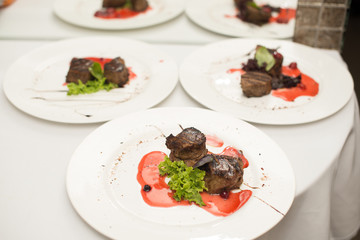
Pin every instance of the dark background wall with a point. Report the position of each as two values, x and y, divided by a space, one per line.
351 44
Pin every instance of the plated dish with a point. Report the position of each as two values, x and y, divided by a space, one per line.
103 188
39 88
206 77
221 17
81 13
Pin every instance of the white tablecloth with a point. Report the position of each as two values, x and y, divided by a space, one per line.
35 153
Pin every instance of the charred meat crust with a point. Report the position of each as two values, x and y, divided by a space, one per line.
188 146
136 5
116 72
252 14
139 5
79 70
224 173
113 3
256 84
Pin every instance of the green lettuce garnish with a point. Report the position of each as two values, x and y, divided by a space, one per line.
262 55
186 182
99 83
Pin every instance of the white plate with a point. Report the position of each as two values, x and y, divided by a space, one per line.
81 13
204 76
211 15
102 186
34 83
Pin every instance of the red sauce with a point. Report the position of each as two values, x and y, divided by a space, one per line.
214 141
102 62
307 87
230 16
118 13
160 194
233 152
232 70
284 16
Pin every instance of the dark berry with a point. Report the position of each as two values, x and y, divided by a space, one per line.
225 194
146 188
293 65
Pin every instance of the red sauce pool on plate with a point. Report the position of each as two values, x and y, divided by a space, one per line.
160 194
118 13
284 16
214 141
307 87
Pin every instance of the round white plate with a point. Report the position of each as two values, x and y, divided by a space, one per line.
81 13
34 83
212 15
102 185
204 76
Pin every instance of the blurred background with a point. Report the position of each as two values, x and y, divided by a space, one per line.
351 48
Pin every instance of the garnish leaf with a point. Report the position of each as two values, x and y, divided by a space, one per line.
96 71
262 55
186 182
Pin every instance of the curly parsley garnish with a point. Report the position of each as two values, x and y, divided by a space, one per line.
186 182
99 83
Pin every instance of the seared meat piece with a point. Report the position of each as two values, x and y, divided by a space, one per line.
188 146
139 5
116 72
255 84
223 173
113 3
79 70
250 12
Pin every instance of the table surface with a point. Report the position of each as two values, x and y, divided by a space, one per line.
35 153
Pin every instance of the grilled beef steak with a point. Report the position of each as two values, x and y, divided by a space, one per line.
188 146
113 3
256 84
139 5
223 173
250 12
116 72
79 70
